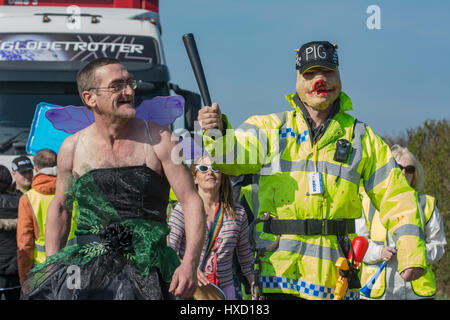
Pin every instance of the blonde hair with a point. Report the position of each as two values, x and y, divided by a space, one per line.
225 191
419 175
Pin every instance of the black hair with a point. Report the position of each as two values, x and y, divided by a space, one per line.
5 178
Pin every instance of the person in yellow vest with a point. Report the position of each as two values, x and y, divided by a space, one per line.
389 285
32 213
308 164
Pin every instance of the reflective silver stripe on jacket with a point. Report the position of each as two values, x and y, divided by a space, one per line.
39 247
372 211
408 230
422 205
255 192
380 174
302 248
349 173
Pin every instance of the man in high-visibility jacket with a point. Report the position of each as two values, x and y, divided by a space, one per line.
308 163
32 213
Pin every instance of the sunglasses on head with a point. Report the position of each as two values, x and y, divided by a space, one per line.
204 169
408 169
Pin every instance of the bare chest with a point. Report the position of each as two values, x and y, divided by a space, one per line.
91 154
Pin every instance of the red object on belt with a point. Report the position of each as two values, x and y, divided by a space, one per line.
360 246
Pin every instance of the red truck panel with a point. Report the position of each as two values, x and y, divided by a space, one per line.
151 5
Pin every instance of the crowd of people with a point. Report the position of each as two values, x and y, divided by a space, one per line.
270 222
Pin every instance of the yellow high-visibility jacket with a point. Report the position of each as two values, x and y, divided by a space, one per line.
398 289
278 149
39 204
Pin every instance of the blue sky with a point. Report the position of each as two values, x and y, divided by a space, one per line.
397 76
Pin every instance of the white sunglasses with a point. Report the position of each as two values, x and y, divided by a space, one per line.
202 168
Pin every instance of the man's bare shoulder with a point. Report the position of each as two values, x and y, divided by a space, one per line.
71 141
69 144
66 152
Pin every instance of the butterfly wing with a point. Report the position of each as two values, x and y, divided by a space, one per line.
162 110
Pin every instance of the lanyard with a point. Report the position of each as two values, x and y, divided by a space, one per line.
213 233
316 155
315 181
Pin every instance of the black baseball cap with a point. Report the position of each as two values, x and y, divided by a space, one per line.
21 164
317 54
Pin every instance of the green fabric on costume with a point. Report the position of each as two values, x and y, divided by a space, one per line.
95 214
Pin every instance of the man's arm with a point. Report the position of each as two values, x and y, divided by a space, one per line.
184 280
240 151
58 217
25 237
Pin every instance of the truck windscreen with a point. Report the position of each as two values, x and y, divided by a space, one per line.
18 102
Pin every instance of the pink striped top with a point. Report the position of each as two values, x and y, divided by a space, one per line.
233 234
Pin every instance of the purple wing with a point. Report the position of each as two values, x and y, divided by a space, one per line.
70 119
162 110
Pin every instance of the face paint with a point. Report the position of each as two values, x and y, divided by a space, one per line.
318 87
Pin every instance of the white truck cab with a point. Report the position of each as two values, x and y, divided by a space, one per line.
44 44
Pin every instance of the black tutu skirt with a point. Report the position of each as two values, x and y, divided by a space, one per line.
126 258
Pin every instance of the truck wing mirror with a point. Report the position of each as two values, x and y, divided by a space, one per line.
192 104
145 86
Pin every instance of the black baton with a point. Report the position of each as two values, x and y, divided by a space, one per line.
191 48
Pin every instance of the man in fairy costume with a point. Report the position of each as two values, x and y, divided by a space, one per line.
129 161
